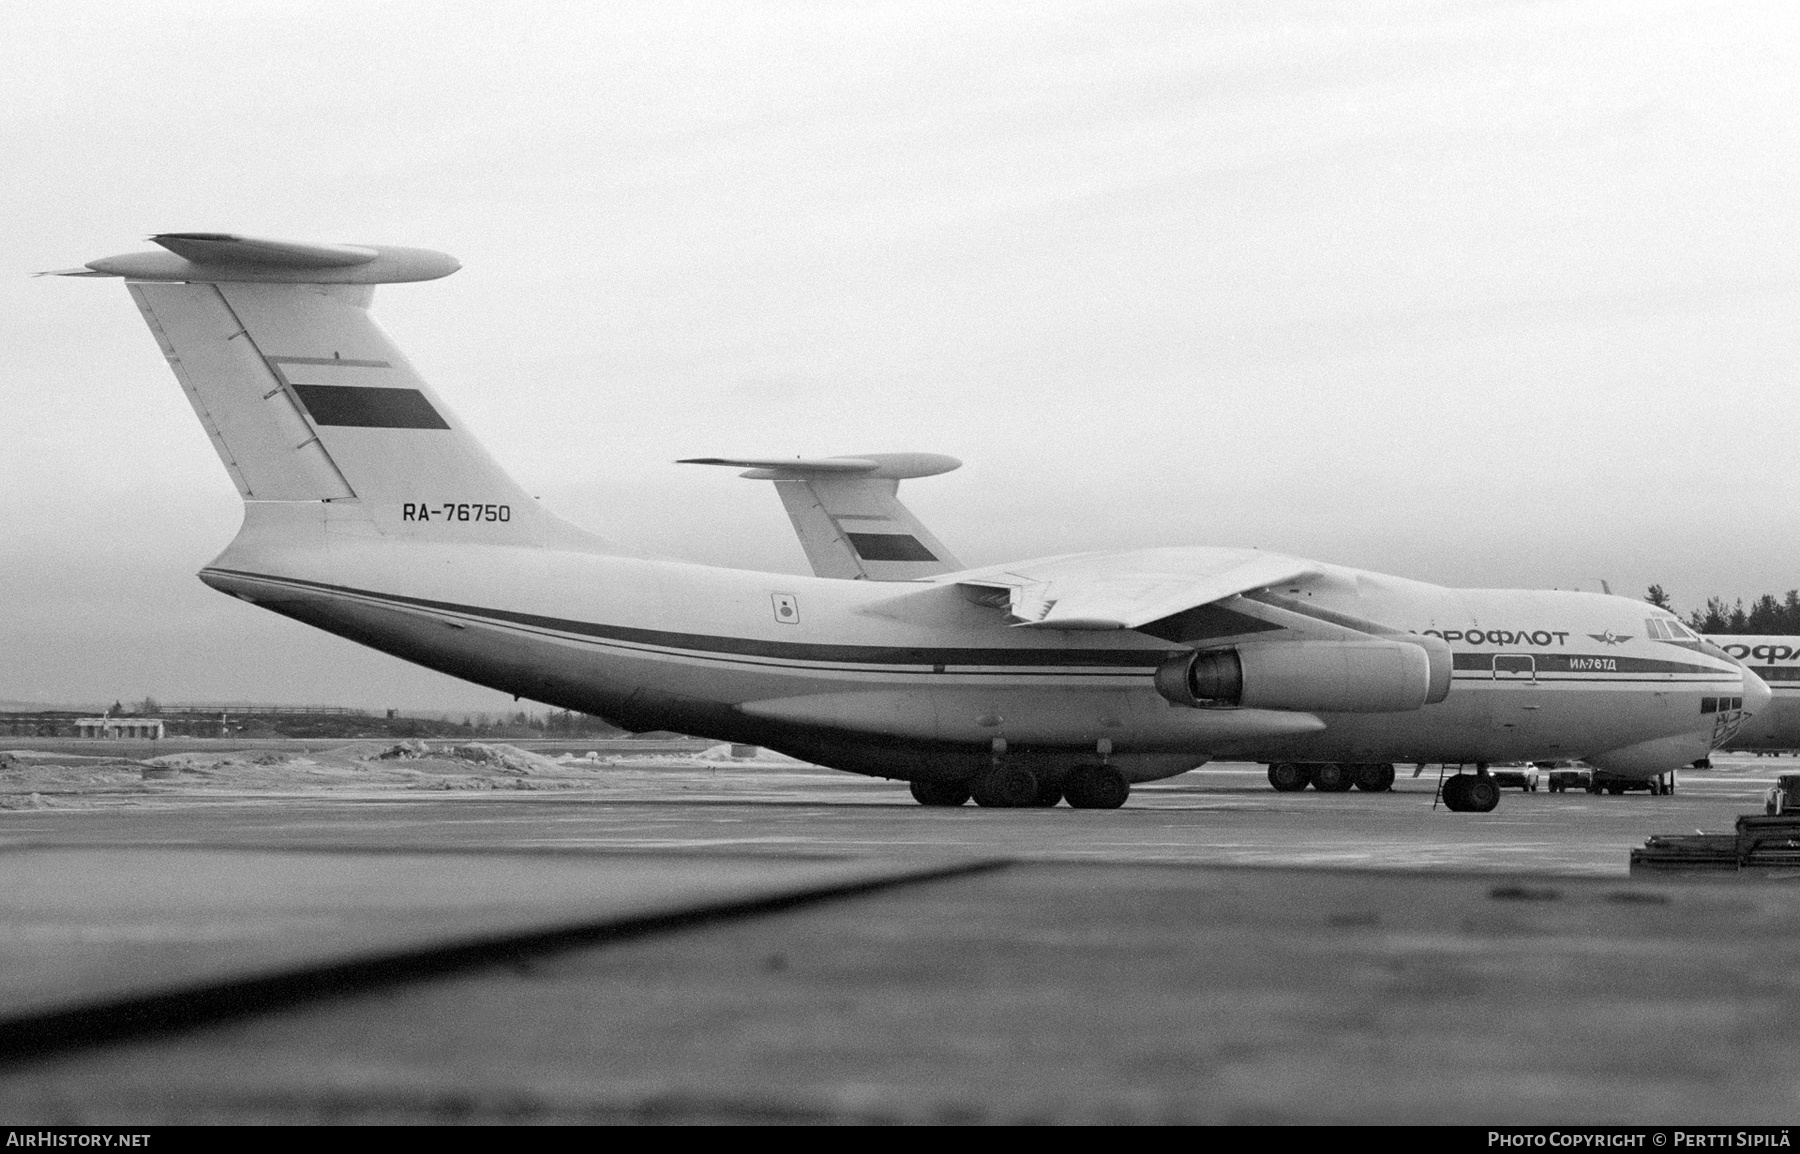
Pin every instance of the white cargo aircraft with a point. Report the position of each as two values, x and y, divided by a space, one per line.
831 499
372 513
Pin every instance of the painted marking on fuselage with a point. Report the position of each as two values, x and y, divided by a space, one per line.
1538 637
1583 662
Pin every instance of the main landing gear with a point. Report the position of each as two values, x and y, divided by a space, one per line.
1330 776
940 792
1471 792
1096 787
1015 787
1005 787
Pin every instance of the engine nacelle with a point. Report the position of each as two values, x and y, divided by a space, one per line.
1373 676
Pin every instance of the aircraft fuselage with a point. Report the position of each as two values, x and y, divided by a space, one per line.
917 680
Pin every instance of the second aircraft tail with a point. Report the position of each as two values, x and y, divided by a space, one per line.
848 514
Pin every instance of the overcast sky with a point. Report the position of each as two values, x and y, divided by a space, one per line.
1477 293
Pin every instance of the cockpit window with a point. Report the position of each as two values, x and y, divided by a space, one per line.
1668 629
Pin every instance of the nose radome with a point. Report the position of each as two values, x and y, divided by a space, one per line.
1756 693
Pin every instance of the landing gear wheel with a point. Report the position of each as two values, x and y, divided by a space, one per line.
1332 777
1373 778
1466 793
1288 777
939 792
1005 787
1048 794
1096 787
1482 795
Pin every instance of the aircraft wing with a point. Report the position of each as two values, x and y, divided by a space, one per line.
1124 591
848 515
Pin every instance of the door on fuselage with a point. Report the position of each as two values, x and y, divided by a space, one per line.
1518 698
1515 668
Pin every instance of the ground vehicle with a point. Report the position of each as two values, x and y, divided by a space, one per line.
1522 777
1783 796
1612 783
1599 781
1567 779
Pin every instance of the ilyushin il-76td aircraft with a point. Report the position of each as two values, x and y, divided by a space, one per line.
372 513
836 502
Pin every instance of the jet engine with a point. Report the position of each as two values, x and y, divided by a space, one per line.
1373 676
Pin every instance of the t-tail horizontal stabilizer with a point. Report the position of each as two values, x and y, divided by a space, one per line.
223 256
309 402
848 514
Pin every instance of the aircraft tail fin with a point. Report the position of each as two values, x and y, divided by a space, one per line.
848 515
304 396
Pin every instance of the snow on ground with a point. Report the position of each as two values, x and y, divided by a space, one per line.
52 779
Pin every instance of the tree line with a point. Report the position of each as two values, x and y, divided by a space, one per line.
1765 615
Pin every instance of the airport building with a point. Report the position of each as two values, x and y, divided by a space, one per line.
120 727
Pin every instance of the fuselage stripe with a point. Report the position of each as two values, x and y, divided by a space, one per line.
1112 664
1138 661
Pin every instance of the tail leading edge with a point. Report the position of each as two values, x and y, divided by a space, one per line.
308 401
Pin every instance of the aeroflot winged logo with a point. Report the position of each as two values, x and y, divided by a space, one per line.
1611 638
